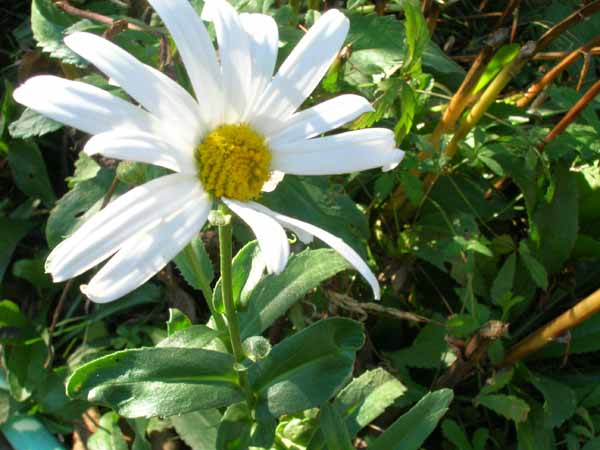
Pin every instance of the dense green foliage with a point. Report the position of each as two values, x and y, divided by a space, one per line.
475 249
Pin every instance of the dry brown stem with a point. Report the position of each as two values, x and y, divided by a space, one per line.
549 77
363 309
554 329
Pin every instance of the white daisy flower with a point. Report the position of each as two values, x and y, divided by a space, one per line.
238 136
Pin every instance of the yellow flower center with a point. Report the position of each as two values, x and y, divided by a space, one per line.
233 161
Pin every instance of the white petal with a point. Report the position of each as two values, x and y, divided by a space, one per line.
234 53
154 90
272 239
333 241
341 153
264 38
141 147
197 53
81 105
302 71
105 232
321 118
271 184
142 256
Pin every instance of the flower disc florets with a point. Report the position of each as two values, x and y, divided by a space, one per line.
233 162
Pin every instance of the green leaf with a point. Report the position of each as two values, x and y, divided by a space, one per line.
177 321
194 336
417 34
48 24
187 379
503 56
334 428
194 265
33 271
363 400
284 382
275 294
497 382
560 401
5 406
139 428
86 168
428 350
29 171
247 268
240 430
411 429
77 206
503 282
198 429
12 231
455 434
509 406
108 436
32 124
536 269
555 224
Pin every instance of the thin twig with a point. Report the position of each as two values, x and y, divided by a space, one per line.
74 11
549 77
587 58
578 16
363 309
572 114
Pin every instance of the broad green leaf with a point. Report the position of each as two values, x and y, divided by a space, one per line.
5 405
503 282
497 382
455 434
239 430
428 350
12 231
194 336
417 34
194 265
509 406
533 435
76 206
536 269
367 397
198 429
139 428
411 429
247 269
108 436
334 429
363 400
32 124
187 379
29 171
560 401
275 294
25 368
555 224
480 438
86 168
48 24
503 56
285 381
33 271
177 321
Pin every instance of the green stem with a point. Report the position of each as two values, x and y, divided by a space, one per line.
206 289
225 239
